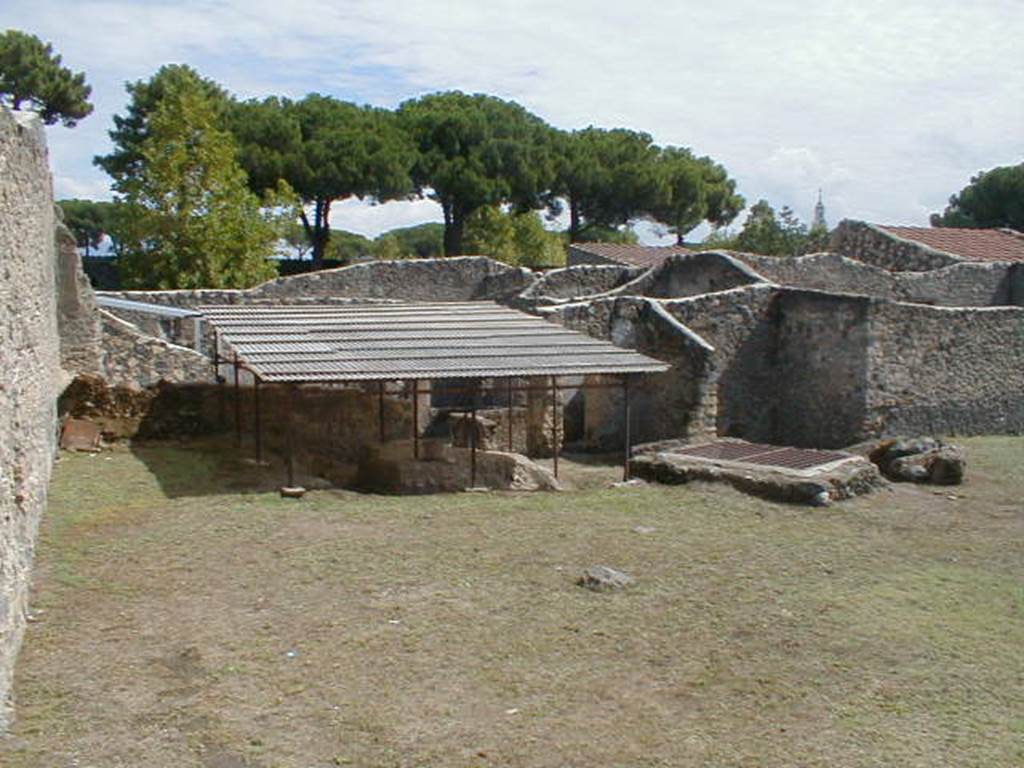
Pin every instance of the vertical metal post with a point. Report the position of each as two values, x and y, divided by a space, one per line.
257 426
380 409
509 414
626 428
289 438
554 421
472 440
238 407
416 418
219 380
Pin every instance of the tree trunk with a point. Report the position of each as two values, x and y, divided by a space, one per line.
679 238
319 233
454 225
574 221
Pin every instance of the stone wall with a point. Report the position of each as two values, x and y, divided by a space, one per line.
560 285
740 326
137 360
30 373
945 371
78 318
691 275
678 403
460 278
963 284
872 245
820 369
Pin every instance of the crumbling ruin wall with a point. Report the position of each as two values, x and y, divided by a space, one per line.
460 278
691 275
940 371
820 369
964 284
134 359
872 245
678 403
30 374
559 285
78 318
740 326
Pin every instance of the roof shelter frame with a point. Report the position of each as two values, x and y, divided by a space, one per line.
473 388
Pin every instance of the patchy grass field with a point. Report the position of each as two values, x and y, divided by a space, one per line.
180 621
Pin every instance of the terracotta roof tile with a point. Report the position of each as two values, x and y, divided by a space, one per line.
633 255
972 244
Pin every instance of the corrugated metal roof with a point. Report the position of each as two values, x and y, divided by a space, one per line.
381 342
111 302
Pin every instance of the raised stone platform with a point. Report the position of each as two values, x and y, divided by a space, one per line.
779 473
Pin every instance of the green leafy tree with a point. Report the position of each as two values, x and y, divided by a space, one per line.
88 220
31 75
994 198
132 129
476 151
519 239
326 150
607 177
772 234
423 241
693 190
189 220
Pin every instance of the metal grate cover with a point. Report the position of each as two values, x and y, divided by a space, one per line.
763 455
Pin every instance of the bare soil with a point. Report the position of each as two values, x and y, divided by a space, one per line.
185 616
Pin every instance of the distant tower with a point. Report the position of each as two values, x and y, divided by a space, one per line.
818 222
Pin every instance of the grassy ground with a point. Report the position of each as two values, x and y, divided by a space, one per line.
181 621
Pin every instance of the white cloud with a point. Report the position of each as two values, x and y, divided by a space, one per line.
889 107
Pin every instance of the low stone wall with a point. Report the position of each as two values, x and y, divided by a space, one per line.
872 245
30 372
942 371
825 272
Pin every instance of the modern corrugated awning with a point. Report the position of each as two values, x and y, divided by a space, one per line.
383 342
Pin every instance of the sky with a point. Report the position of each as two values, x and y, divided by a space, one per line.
887 107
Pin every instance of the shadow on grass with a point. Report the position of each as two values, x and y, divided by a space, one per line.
207 466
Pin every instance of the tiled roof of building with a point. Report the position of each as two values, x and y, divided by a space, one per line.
973 244
633 255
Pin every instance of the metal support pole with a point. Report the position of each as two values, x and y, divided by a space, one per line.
626 428
509 414
257 426
219 379
472 442
416 418
554 421
290 439
238 407
380 408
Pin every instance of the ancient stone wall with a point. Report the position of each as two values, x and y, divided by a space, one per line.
691 275
865 242
135 359
78 318
964 284
820 369
943 371
739 324
678 403
461 278
559 285
30 373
